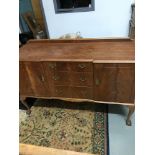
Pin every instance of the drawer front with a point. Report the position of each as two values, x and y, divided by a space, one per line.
62 91
81 66
58 66
61 78
71 66
82 92
82 79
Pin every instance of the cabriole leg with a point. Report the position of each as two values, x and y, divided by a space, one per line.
131 110
22 99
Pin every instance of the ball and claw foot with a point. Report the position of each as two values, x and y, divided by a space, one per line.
28 112
128 122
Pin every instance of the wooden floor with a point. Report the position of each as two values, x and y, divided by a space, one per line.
25 149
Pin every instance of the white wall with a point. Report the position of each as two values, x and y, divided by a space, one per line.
110 19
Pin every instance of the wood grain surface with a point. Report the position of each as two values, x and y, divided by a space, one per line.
79 50
26 149
93 70
114 82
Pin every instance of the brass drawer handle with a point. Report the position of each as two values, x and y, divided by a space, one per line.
56 78
52 65
83 79
82 66
59 91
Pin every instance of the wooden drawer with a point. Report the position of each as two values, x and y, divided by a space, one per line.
62 91
81 66
82 92
58 66
82 79
61 78
71 66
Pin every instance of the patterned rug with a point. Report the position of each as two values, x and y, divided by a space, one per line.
80 127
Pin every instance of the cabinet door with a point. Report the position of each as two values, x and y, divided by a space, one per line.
105 79
125 83
24 81
114 82
39 81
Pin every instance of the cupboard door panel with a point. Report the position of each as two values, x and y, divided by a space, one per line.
125 83
24 81
38 78
104 82
114 83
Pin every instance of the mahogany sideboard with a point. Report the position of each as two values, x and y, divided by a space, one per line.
93 70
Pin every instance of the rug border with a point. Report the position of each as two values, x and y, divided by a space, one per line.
106 142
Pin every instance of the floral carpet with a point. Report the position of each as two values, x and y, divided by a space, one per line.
80 127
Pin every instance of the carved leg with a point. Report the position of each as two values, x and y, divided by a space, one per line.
131 110
22 99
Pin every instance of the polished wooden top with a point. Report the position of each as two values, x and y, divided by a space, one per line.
96 50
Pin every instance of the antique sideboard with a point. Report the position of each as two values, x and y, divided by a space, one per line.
93 70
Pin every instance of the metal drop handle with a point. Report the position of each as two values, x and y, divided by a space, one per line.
82 79
52 65
59 91
82 66
56 78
